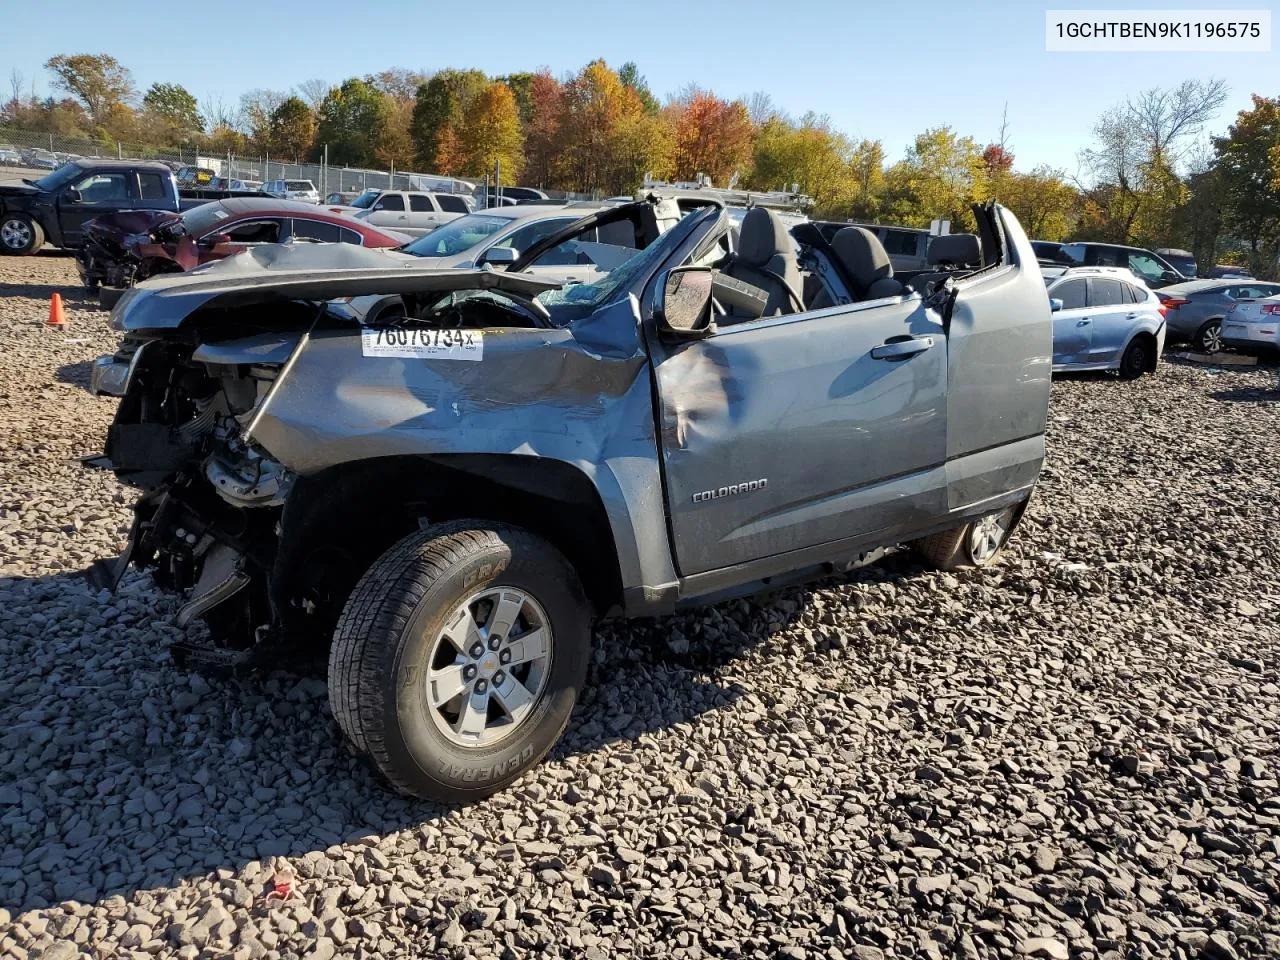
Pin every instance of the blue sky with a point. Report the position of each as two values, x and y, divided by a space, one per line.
879 70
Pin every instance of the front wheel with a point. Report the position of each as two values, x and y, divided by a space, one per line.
20 235
974 544
458 658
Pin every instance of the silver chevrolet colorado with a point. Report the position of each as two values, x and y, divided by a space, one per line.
443 477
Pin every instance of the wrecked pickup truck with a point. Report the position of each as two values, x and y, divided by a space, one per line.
448 475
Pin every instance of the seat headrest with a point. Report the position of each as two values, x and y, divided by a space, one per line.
763 236
957 249
863 256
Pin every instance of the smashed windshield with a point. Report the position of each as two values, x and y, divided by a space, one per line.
457 236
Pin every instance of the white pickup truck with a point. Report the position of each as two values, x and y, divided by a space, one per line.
413 212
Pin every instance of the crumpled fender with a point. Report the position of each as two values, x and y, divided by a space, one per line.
581 395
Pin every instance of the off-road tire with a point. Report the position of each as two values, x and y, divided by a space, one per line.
30 227
951 549
108 297
377 662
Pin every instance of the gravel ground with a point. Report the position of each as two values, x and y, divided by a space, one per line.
1074 753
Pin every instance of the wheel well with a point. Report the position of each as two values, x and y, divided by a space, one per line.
1150 340
364 507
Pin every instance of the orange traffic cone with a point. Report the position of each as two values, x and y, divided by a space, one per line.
57 316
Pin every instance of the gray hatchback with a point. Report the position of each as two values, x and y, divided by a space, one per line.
1194 310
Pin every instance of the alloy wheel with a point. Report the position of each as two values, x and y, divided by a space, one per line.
488 666
15 234
1211 338
987 535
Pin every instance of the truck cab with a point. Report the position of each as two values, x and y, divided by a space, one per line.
55 208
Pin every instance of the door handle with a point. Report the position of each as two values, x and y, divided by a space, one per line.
1082 323
1131 316
901 349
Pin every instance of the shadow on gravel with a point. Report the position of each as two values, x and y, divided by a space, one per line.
1248 395
74 373
119 773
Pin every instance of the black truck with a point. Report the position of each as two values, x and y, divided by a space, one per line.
55 208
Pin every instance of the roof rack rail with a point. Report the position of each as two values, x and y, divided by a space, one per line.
791 200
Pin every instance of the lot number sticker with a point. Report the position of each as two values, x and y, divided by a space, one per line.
418 344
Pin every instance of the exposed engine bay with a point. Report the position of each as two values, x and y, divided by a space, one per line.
211 522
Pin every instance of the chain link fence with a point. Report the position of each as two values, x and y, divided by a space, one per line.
35 151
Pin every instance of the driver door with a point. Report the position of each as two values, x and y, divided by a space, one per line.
107 191
789 432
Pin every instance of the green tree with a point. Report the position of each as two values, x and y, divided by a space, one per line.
1042 200
866 175
1248 163
941 176
350 121
97 80
175 106
291 129
439 105
630 77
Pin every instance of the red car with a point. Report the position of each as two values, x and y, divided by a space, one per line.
123 248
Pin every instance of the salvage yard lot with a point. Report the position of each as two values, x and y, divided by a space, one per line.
1073 752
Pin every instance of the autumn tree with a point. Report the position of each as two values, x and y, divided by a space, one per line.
350 122
866 181
1133 160
291 128
712 136
606 142
542 128
489 133
398 83
98 81
256 109
1042 200
808 154
440 104
174 106
940 178
312 92
1248 162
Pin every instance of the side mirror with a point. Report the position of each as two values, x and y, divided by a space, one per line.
72 195
500 255
214 239
1170 277
1054 304
683 308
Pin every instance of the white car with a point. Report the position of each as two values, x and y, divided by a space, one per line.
415 212
303 190
1253 325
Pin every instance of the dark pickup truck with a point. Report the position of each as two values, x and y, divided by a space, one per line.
55 208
